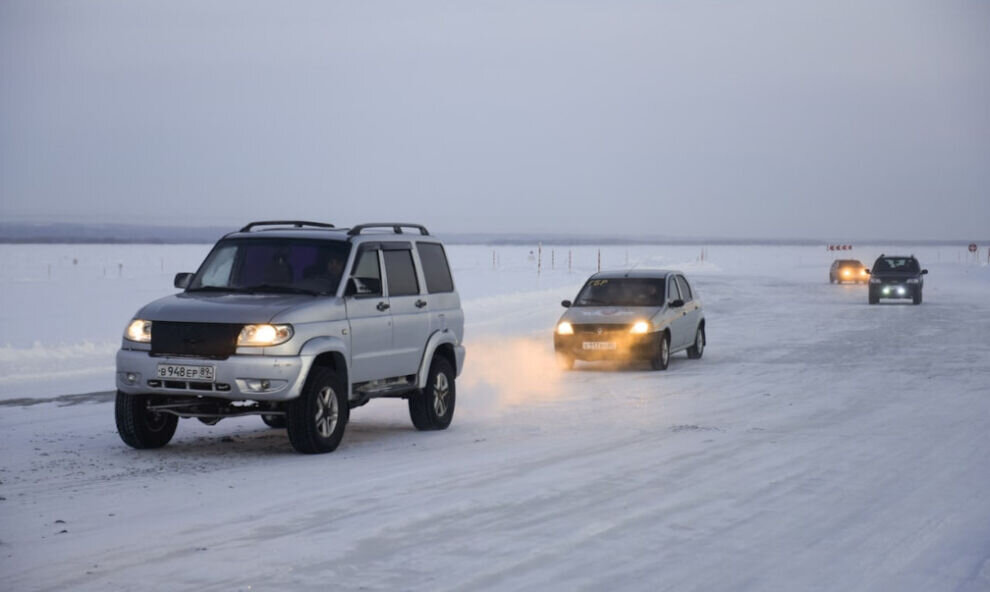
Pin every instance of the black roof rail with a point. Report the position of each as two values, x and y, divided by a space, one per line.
296 223
395 226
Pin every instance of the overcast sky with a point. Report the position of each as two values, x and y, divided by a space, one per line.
838 119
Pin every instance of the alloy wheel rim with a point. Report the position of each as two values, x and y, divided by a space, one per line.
441 389
326 411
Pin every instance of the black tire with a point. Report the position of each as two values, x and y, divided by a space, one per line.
874 297
140 428
698 349
917 296
661 360
274 421
565 361
317 418
432 408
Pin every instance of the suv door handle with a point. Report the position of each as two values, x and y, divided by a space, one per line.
420 303
382 306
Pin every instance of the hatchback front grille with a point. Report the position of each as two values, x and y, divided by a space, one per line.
601 328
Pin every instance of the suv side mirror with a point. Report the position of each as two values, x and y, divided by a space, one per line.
565 303
924 272
182 280
676 303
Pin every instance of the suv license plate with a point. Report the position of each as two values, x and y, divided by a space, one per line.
181 372
598 345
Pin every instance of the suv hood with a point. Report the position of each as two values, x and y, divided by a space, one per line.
219 307
618 315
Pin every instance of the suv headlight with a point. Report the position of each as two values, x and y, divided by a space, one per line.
874 280
913 281
139 330
264 335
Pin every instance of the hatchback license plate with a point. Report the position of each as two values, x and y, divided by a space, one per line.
182 372
598 345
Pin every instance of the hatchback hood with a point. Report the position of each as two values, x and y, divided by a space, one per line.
219 307
613 315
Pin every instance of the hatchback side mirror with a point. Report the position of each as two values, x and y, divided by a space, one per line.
924 272
676 303
565 303
182 280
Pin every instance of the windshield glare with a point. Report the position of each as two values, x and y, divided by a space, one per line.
273 265
622 292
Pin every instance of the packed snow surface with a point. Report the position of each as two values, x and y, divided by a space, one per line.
820 444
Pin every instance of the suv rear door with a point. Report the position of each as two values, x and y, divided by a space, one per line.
410 318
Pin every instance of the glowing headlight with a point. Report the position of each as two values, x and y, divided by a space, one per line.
845 272
264 335
139 330
640 327
862 272
565 328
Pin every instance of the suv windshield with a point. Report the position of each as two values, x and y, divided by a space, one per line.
900 264
622 292
277 265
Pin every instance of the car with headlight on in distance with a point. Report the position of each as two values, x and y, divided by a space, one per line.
897 276
298 322
848 270
631 315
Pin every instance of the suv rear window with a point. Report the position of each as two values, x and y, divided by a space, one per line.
400 273
435 268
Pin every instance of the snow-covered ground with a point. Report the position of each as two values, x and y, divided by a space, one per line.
820 444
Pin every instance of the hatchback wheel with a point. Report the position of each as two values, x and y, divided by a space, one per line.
695 351
662 358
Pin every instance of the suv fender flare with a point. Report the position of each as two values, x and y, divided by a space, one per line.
316 347
435 341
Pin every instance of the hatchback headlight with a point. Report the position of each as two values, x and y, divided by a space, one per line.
565 328
264 335
874 280
640 327
139 330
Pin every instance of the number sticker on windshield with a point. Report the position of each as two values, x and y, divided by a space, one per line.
598 283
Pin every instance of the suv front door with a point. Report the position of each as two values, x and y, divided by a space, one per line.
369 317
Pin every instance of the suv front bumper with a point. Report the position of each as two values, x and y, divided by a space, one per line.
239 377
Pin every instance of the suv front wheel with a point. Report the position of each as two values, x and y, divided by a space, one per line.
138 426
432 408
316 419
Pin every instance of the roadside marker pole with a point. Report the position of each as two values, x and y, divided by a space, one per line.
599 259
553 259
569 252
539 258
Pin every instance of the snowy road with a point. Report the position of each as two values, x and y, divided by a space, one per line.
820 444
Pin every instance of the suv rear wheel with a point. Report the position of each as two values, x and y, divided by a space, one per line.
432 408
317 418
138 426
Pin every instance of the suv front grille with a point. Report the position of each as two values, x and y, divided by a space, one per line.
203 340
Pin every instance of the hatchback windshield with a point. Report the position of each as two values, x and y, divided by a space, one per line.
273 265
904 264
622 292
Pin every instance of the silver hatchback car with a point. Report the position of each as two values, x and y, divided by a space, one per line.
631 315
298 322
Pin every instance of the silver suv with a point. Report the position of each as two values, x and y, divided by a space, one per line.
298 322
630 315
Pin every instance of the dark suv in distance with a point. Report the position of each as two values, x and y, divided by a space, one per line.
896 277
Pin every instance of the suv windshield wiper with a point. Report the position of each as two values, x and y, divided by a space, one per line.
280 289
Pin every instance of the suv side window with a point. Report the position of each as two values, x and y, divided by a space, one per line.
685 288
366 279
401 273
435 268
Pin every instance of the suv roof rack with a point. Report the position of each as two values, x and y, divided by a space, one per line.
395 226
296 223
